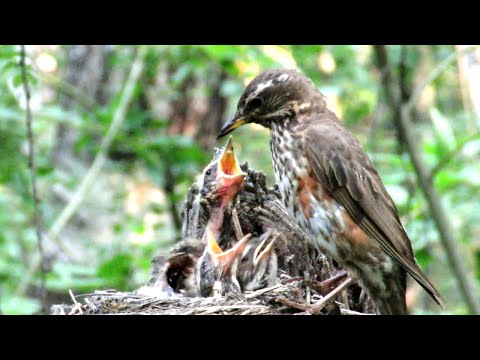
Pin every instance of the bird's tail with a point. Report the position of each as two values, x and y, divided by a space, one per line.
421 278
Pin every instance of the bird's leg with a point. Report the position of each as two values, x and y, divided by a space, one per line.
325 286
315 309
307 289
291 304
345 300
236 225
364 302
290 280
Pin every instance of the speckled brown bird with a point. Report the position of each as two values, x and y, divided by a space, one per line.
330 186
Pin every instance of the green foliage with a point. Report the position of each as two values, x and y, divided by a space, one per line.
20 305
70 276
117 271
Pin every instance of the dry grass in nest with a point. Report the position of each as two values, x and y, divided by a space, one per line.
288 296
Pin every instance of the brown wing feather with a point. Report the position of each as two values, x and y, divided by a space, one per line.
341 164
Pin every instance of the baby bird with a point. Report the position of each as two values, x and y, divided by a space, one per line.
258 265
220 181
249 265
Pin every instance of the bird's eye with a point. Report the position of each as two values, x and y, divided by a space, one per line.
254 103
209 172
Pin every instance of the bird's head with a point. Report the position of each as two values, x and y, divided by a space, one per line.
217 269
222 178
273 96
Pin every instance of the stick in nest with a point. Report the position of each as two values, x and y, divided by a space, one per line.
77 307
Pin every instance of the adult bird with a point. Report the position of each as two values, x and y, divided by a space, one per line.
331 188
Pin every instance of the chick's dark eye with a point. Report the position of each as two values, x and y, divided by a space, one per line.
209 172
254 103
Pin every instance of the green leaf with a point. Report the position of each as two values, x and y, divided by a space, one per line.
16 305
17 80
45 170
117 271
8 51
442 128
224 52
477 260
423 256
66 276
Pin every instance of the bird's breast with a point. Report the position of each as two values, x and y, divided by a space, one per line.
304 197
329 225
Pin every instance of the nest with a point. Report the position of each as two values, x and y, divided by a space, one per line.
259 210
288 296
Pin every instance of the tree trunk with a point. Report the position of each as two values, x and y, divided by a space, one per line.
85 71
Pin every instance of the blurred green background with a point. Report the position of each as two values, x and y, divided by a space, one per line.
164 132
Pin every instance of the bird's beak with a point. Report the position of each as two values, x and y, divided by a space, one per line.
223 259
212 246
231 125
264 250
230 174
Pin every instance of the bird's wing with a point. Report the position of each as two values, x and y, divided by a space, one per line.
342 166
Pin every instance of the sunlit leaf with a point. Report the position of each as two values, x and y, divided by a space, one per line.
443 128
69 276
117 270
16 305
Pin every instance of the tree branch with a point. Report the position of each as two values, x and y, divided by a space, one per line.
70 90
403 73
444 161
99 161
33 171
402 118
172 204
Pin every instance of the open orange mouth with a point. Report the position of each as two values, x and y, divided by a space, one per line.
229 165
224 258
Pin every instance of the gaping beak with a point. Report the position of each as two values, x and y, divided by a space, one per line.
223 259
230 172
231 125
264 250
